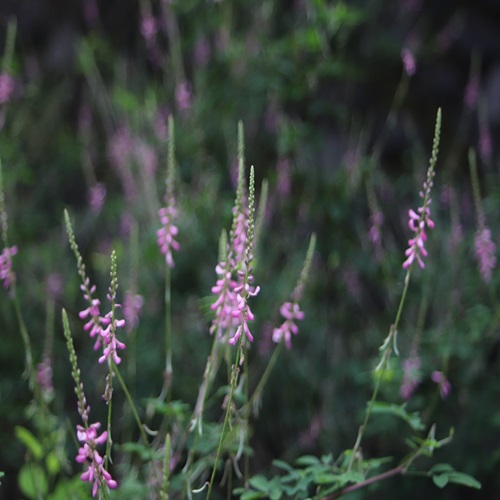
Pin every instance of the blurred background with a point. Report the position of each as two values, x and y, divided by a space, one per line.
338 100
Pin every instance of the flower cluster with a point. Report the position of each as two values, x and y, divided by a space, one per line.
102 327
291 312
416 245
242 312
225 302
167 233
6 273
485 253
87 453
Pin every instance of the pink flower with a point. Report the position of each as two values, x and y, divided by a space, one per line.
242 312
183 96
149 28
225 302
44 375
87 453
284 180
167 233
417 223
291 312
375 234
442 381
6 273
471 95
6 87
485 253
132 306
409 63
411 376
96 196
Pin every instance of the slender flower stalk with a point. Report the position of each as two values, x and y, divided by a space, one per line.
291 310
484 246
8 277
96 473
166 241
417 225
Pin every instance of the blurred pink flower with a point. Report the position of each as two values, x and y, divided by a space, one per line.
291 313
149 28
411 376
202 52
183 96
6 273
6 87
409 63
132 306
167 233
485 253
471 94
442 381
284 180
96 196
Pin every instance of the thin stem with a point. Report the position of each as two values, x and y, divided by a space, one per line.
234 376
116 371
168 335
29 369
263 380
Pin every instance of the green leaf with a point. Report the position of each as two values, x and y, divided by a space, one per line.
32 481
259 483
464 479
441 468
280 464
412 419
53 464
30 441
307 460
252 495
440 481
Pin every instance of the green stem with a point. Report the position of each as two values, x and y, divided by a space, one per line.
384 358
234 376
136 416
269 368
29 369
168 335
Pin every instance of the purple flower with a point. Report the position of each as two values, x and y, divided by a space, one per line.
183 96
96 196
167 233
485 253
409 63
6 87
110 342
291 312
202 52
417 223
242 312
442 381
44 375
6 273
149 28
284 181
375 234
411 376
87 453
132 306
471 95
225 302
